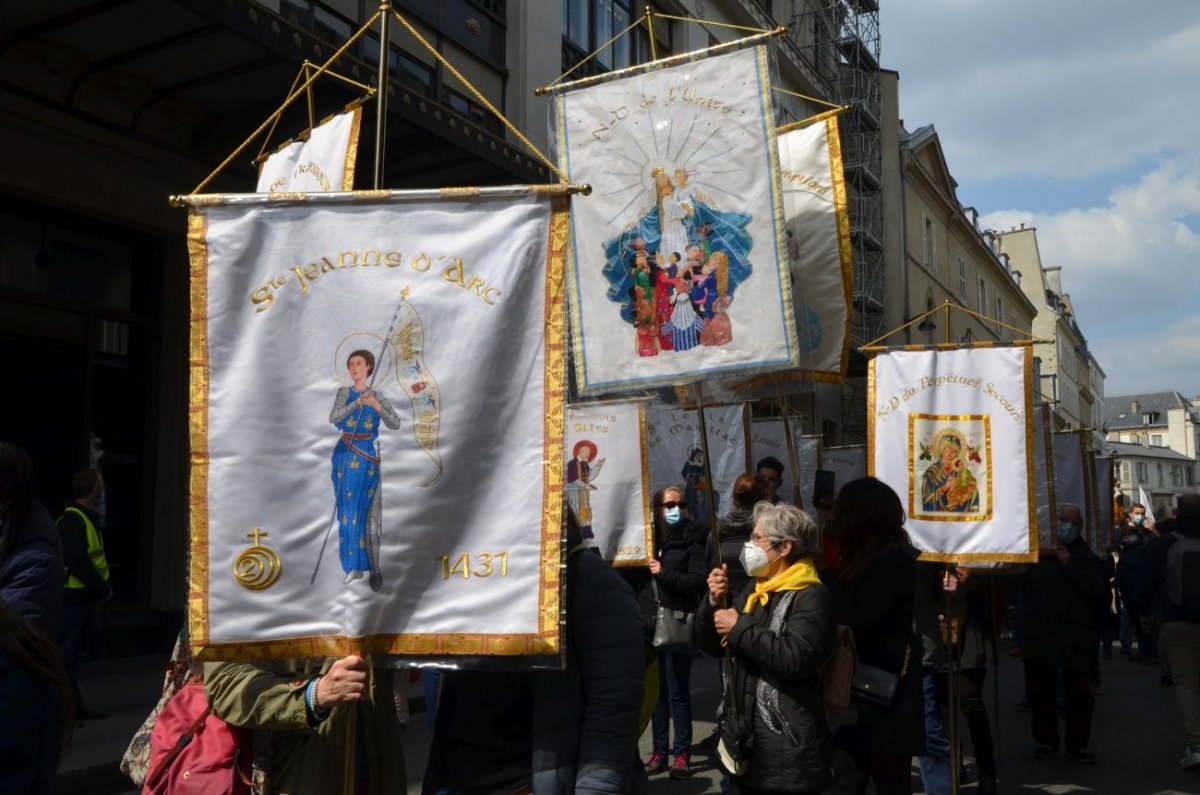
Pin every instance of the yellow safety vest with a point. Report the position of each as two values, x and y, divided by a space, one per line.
95 551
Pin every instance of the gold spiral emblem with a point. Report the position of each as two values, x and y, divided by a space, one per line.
258 567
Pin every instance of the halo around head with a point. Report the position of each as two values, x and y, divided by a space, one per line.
365 340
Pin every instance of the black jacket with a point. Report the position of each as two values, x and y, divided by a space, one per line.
794 756
878 607
1153 570
1061 606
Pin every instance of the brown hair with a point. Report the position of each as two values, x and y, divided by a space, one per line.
367 356
750 489
866 516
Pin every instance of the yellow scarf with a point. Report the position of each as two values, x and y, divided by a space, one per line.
796 577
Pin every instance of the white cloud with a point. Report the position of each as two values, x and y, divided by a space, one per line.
1130 267
1063 89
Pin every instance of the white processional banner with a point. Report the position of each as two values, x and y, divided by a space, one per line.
768 438
818 245
1070 477
1105 517
377 407
1043 466
808 450
847 463
321 163
952 433
678 268
677 457
608 480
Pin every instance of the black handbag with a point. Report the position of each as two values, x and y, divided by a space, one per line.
672 628
875 685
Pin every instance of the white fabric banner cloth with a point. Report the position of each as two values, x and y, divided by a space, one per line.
1043 466
1070 480
951 432
1145 501
848 462
768 438
678 269
677 459
607 480
1105 518
322 163
818 244
808 450
378 387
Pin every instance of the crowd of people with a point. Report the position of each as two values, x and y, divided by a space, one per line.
770 593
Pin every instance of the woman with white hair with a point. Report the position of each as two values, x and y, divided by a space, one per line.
780 630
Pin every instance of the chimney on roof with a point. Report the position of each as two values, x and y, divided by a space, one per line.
1022 224
1054 279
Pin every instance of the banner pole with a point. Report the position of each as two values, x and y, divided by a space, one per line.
381 80
793 461
715 535
950 638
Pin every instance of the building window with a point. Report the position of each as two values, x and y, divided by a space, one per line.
467 108
999 315
983 310
1156 440
928 244
1143 473
1191 475
1125 471
962 279
589 24
1161 482
1176 475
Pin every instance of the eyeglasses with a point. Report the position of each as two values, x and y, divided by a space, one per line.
669 504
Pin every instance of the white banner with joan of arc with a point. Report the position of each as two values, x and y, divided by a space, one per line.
1043 465
607 480
678 268
848 462
1070 478
677 457
818 245
768 438
321 163
808 450
952 433
377 405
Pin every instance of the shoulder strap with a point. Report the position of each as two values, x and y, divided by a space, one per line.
164 764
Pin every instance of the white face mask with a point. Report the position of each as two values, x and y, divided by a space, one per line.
754 559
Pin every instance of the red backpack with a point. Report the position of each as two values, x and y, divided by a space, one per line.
193 752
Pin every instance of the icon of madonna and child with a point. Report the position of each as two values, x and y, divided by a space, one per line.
674 270
948 484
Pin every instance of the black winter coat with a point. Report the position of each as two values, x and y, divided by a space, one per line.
1152 569
878 607
1061 606
783 652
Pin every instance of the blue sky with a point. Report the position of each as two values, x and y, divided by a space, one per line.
1081 118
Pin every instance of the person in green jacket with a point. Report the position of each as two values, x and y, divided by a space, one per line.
315 725
87 575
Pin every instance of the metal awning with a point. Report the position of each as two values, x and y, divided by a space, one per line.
196 77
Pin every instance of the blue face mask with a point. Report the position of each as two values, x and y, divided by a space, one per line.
1138 518
673 516
1067 532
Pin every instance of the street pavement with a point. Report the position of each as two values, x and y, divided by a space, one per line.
1136 735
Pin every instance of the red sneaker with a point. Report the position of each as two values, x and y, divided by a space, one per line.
657 763
680 769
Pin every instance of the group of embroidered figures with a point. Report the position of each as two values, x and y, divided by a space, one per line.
674 270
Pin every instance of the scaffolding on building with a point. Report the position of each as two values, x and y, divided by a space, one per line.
840 38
